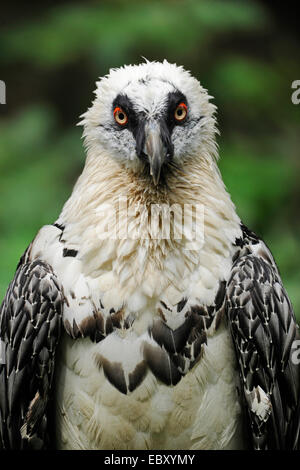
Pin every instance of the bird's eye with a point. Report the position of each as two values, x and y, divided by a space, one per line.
180 112
120 116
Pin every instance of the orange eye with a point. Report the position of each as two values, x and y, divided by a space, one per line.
180 112
120 116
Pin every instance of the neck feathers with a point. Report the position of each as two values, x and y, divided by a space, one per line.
118 220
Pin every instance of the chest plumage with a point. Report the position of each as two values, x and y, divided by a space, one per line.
201 411
149 358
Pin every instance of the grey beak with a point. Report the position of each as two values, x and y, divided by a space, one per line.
155 149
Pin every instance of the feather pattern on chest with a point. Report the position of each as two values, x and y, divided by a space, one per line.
148 301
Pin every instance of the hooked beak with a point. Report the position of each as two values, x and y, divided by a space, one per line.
155 149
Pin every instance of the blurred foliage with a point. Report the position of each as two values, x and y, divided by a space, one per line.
243 52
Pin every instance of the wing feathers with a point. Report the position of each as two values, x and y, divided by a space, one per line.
30 322
263 328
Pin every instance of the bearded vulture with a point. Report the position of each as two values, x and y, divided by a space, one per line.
148 316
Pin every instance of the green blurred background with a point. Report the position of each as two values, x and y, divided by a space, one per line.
245 52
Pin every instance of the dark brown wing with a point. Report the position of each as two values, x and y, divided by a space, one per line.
30 324
265 335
